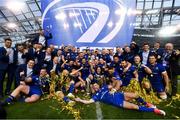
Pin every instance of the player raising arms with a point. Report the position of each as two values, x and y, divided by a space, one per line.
120 99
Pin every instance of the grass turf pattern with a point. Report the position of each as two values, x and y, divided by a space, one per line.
43 110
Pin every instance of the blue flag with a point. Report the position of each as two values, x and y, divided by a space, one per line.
93 23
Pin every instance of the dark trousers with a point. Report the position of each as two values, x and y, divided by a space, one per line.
174 85
2 76
174 82
10 73
17 78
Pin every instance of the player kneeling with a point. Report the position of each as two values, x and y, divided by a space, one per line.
31 87
120 99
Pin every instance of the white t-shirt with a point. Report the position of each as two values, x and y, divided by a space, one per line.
11 55
20 59
145 57
47 57
42 40
54 66
29 72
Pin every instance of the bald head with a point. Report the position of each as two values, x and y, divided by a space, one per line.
169 47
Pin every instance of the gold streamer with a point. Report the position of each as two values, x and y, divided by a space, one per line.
173 99
68 107
134 86
61 80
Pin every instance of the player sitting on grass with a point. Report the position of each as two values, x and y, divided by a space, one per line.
31 87
120 99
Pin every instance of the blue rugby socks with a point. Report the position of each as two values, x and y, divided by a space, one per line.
145 109
141 100
9 100
66 99
71 89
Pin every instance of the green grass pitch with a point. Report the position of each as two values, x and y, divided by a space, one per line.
43 110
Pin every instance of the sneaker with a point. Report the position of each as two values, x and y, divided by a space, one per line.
5 103
149 105
71 96
159 112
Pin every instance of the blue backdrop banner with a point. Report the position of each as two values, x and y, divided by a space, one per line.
93 23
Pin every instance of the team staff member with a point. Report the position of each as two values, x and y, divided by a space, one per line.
25 70
170 60
41 38
6 65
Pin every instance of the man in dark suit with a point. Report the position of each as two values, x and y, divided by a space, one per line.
53 50
19 55
159 51
43 58
25 70
54 65
128 54
7 65
145 53
134 48
170 61
31 52
42 38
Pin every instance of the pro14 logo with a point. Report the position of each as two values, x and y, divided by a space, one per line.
97 21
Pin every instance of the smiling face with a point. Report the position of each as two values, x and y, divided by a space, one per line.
8 43
43 73
20 48
83 61
146 47
95 87
111 71
137 60
152 59
55 60
116 59
41 32
101 61
169 47
98 70
157 45
127 49
48 50
31 64
124 64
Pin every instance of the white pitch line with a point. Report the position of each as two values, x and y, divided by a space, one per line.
98 111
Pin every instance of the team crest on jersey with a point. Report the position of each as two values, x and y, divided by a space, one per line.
157 68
